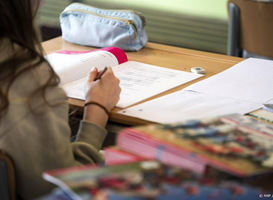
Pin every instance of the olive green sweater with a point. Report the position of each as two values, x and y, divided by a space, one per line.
39 140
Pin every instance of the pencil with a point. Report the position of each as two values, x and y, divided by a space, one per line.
101 73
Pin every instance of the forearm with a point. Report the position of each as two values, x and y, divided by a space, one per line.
95 114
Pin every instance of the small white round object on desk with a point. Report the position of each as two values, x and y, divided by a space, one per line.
198 70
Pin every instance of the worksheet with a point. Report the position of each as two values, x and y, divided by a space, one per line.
138 81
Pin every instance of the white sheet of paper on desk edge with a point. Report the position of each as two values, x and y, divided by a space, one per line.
186 105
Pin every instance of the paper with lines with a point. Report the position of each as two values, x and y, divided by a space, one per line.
250 80
138 81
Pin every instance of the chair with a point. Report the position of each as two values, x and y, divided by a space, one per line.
250 31
7 177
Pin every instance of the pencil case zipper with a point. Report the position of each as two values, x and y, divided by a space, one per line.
127 21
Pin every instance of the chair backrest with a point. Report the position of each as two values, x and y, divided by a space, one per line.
250 28
7 177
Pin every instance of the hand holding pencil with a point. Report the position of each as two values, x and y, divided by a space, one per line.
99 75
105 92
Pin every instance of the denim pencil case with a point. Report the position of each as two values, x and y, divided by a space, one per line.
86 25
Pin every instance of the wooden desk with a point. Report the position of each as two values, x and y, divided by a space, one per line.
160 55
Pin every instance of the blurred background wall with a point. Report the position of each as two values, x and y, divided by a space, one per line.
194 24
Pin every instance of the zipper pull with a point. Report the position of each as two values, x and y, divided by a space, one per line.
130 22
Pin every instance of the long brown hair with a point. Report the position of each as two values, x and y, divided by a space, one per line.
17 26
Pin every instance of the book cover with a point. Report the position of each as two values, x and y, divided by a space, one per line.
263 114
237 144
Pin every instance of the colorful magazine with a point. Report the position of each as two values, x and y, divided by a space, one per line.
237 144
145 180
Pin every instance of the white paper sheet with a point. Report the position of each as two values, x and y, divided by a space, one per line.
250 80
186 105
138 81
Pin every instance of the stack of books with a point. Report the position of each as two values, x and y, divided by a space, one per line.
237 144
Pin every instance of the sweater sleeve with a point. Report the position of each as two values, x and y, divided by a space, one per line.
88 143
85 149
